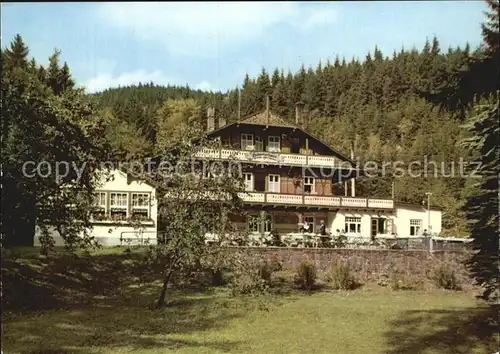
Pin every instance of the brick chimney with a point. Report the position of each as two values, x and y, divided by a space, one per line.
299 119
268 112
210 119
222 121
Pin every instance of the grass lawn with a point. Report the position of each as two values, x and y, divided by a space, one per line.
371 319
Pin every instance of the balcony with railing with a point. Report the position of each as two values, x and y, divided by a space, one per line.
314 200
265 157
298 200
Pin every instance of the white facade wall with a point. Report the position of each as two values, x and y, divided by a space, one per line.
401 218
336 221
110 233
405 213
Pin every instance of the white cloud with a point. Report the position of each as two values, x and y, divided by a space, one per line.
207 28
205 86
107 80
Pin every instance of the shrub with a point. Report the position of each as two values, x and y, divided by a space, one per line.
250 276
342 277
306 275
444 277
403 281
248 284
276 263
383 280
218 277
265 271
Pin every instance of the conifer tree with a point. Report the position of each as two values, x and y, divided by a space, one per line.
54 75
299 82
263 88
275 78
482 207
67 82
17 54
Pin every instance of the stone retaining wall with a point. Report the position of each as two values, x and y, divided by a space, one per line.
369 264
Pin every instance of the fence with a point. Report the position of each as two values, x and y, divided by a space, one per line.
309 240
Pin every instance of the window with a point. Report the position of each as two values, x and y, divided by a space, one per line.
415 227
140 200
273 144
248 180
119 206
206 171
253 223
353 225
259 144
100 199
268 223
100 206
273 184
247 142
119 200
308 184
310 221
140 205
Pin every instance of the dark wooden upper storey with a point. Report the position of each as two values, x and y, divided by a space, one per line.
267 132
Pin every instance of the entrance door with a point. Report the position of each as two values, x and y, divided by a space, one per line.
273 183
378 227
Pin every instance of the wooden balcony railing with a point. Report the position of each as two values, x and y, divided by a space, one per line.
314 200
300 200
259 157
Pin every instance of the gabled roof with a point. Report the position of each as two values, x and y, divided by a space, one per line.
265 118
270 119
124 173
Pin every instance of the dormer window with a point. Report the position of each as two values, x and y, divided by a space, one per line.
247 142
273 144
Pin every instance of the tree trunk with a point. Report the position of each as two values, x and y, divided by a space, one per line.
161 299
18 221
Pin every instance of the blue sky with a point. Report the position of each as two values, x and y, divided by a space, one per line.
212 45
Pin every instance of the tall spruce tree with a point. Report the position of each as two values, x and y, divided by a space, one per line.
17 54
263 88
482 207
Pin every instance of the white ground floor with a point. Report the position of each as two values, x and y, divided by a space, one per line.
403 221
110 234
